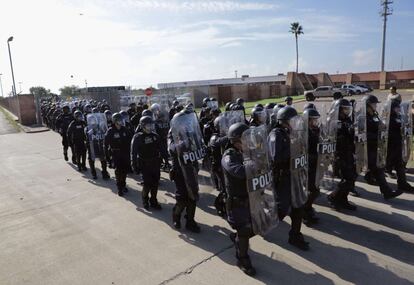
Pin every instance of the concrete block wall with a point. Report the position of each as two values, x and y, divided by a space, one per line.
23 107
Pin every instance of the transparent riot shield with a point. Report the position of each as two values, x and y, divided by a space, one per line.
384 112
298 161
263 209
190 148
326 147
360 128
229 118
96 130
213 104
406 129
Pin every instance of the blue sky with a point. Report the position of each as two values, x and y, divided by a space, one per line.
144 42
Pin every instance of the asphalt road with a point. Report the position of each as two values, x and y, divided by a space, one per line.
58 226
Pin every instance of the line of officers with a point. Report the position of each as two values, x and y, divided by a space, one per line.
264 169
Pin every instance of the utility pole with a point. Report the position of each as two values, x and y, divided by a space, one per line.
385 12
235 73
1 86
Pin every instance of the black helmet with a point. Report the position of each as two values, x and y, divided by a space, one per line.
147 113
95 110
288 98
205 100
239 101
270 105
108 114
343 103
117 117
175 103
309 106
236 130
131 105
237 107
77 115
286 113
227 106
65 108
371 99
217 124
312 113
145 120
258 105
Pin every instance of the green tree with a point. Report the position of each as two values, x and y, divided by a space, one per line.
68 91
296 29
39 91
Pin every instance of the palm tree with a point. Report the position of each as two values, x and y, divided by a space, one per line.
296 29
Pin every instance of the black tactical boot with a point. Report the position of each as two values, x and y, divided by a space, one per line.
406 187
192 226
145 203
125 190
245 265
73 159
65 154
309 217
105 175
370 180
354 192
348 206
297 240
334 201
154 204
120 192
176 219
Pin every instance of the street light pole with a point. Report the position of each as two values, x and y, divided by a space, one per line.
1 85
11 65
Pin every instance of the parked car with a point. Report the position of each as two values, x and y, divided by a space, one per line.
366 87
324 91
354 89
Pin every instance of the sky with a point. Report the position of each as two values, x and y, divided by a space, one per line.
140 43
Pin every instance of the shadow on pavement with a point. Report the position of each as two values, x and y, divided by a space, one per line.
348 264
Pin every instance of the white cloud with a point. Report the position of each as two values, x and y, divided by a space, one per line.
364 57
209 6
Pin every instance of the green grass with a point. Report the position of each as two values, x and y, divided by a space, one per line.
249 105
10 119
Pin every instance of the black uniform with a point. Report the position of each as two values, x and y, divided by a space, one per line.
162 128
313 140
394 153
77 137
344 161
118 142
183 199
62 124
95 144
217 146
373 124
238 208
145 158
282 181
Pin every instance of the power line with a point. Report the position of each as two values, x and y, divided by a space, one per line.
385 12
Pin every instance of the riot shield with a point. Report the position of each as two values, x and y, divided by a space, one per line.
406 130
263 208
360 128
298 161
229 118
190 148
384 112
213 104
96 130
326 147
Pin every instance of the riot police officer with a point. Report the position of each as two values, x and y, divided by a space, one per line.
238 210
145 159
76 136
132 110
375 175
289 101
217 145
258 116
313 139
184 173
344 158
62 123
281 149
395 146
118 141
